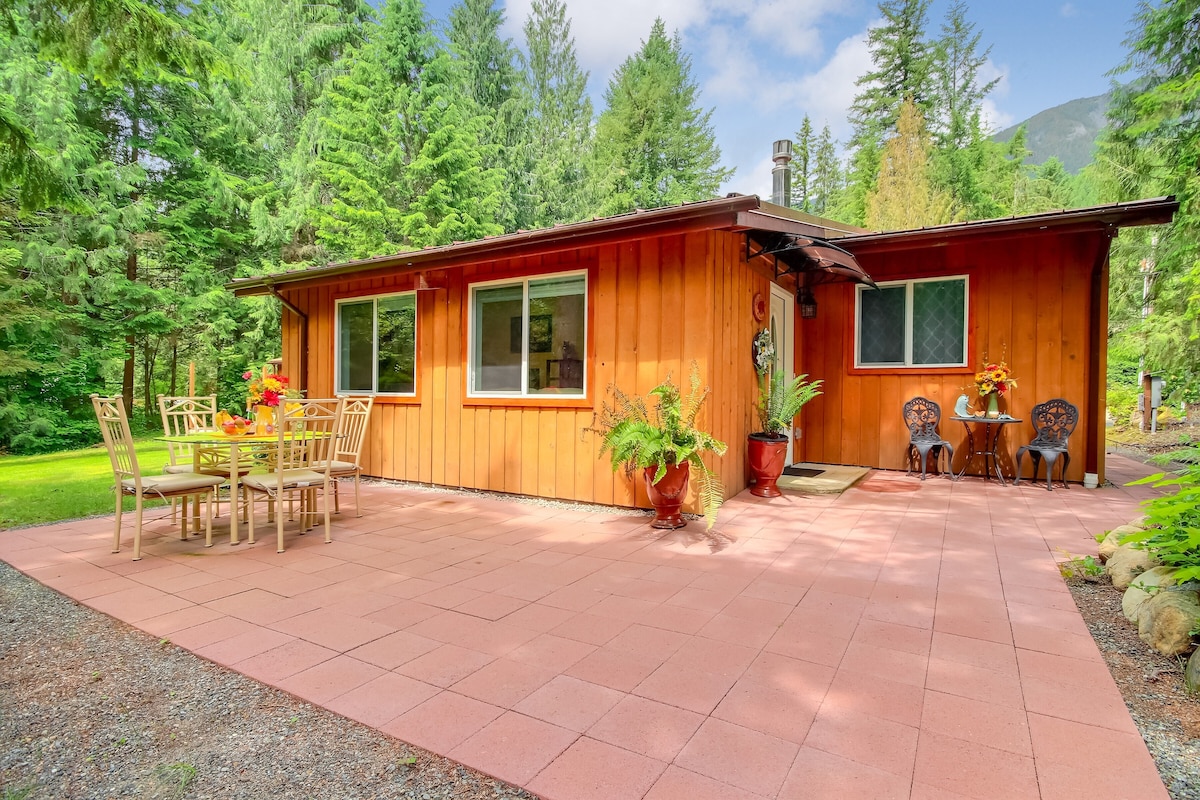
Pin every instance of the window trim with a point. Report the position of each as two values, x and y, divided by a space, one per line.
908 364
337 343
524 394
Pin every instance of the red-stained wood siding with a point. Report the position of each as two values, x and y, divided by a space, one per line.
655 305
1029 304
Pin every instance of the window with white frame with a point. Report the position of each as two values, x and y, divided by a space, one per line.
528 337
377 345
916 323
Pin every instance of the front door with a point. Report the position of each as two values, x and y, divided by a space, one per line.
782 325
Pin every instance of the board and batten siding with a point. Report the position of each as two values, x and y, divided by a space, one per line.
1029 304
654 305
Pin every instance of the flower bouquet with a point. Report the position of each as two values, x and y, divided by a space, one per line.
994 381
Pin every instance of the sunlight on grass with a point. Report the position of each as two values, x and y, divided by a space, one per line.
68 485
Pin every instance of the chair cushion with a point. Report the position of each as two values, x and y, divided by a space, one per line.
174 483
172 469
343 466
292 479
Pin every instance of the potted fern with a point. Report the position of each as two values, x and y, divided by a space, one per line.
779 401
665 444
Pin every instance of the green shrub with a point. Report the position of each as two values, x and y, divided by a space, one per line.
1173 522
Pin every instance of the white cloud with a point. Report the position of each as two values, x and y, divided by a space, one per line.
993 118
826 95
1068 10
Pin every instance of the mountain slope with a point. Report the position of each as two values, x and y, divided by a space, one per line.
1068 131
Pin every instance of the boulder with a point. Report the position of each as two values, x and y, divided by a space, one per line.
1126 563
1140 590
1109 544
1191 675
1166 620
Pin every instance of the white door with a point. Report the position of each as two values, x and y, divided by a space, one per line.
782 324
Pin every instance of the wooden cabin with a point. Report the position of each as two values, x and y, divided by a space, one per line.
489 358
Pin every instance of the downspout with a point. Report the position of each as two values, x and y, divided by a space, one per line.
1097 374
302 378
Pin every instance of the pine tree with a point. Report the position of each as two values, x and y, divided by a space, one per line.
803 166
561 118
654 146
905 196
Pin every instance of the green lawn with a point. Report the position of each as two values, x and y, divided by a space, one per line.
68 485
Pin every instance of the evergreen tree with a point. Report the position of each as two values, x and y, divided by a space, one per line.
902 62
803 166
827 175
962 146
560 128
654 146
495 85
905 196
1152 147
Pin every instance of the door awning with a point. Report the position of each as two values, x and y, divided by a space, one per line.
814 259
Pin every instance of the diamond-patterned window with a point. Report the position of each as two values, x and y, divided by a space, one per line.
919 323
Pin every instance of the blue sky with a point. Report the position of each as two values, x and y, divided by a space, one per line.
763 64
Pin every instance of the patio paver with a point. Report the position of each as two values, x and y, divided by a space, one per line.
903 639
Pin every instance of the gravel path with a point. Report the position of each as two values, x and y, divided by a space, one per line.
92 708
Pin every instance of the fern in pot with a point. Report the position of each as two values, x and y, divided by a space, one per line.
779 401
665 443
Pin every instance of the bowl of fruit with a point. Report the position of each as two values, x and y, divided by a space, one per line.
235 426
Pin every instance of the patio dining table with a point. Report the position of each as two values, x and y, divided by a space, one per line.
209 444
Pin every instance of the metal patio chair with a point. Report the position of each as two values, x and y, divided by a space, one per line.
114 427
922 417
1053 423
356 414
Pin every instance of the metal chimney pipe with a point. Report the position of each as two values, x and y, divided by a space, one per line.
781 173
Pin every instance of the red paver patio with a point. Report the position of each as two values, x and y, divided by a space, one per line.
902 639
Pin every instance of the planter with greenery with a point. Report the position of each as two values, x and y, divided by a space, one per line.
779 401
665 444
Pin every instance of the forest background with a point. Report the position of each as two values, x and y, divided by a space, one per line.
151 152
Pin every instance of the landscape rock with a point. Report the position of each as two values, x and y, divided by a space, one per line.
1109 544
1140 590
1191 676
1126 563
1166 620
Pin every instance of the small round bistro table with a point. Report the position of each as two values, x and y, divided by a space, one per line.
988 446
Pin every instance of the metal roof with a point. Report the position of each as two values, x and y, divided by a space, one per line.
735 212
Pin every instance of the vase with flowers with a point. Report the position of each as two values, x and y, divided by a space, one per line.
263 395
992 382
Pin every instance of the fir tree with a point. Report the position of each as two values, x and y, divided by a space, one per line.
803 166
654 146
827 175
560 125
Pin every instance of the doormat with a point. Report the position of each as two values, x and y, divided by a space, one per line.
801 472
820 478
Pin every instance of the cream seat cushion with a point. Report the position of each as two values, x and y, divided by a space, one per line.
292 478
175 483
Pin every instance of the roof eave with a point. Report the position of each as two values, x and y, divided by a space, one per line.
717 214
1153 211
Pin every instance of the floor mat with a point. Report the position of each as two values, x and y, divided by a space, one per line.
820 478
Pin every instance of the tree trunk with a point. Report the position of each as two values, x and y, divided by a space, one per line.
174 365
131 263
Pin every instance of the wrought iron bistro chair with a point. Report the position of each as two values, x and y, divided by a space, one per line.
922 417
1053 423
347 457
114 426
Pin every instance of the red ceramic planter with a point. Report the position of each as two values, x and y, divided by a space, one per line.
766 452
668 495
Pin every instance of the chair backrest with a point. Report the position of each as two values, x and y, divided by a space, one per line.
1053 423
356 414
307 432
184 415
921 417
114 427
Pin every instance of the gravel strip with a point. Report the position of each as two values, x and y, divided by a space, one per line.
1167 715
92 708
